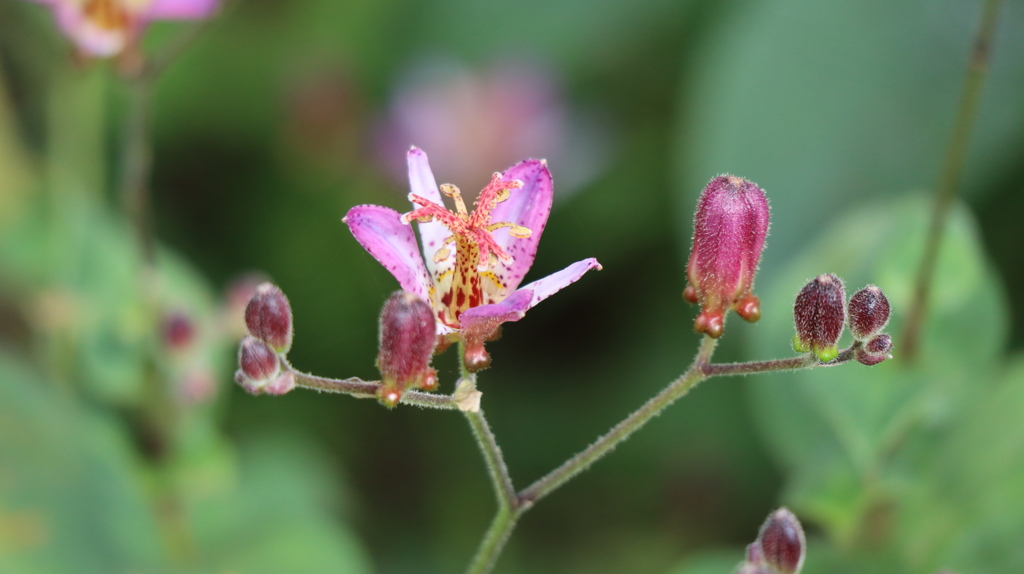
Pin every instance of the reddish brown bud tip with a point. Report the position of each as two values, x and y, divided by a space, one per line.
407 339
690 294
268 316
178 331
749 308
711 323
869 313
389 396
820 315
876 350
729 230
476 358
782 542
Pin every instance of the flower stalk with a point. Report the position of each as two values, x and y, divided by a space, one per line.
952 173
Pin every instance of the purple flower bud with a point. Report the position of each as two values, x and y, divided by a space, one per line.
268 317
875 351
284 383
258 365
820 315
407 339
782 542
869 312
178 331
729 230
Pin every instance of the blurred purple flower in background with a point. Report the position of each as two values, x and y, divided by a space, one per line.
472 121
105 28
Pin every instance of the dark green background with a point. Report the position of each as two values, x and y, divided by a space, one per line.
840 110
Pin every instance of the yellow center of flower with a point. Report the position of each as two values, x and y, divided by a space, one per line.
106 14
471 281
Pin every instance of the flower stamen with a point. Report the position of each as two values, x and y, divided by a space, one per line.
476 250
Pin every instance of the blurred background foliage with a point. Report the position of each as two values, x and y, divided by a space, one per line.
124 448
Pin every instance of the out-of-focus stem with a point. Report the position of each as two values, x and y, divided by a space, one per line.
951 175
136 163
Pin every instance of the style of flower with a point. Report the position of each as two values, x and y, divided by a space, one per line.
471 264
105 28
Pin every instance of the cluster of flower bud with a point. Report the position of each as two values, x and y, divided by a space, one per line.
268 318
821 312
407 341
779 548
729 231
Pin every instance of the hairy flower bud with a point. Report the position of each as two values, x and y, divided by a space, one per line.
407 339
868 313
258 365
782 543
875 351
729 230
268 316
820 315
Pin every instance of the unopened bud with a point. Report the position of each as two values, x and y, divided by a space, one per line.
178 331
820 315
729 230
875 351
407 339
869 312
268 316
284 383
258 365
782 542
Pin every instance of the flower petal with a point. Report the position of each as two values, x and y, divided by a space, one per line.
528 206
381 232
479 322
91 39
180 9
548 286
422 183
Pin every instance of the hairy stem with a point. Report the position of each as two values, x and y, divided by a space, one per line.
806 361
621 431
508 512
361 389
952 173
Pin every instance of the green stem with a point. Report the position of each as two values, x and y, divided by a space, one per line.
509 510
806 361
361 389
621 431
137 161
951 175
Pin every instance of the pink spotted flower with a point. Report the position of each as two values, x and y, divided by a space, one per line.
468 265
105 28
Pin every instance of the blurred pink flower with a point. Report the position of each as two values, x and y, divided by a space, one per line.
472 122
104 28
472 287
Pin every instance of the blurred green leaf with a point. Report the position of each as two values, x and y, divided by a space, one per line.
828 103
70 495
75 496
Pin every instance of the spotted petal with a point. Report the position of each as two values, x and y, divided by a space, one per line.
381 232
528 206
479 322
541 289
180 9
